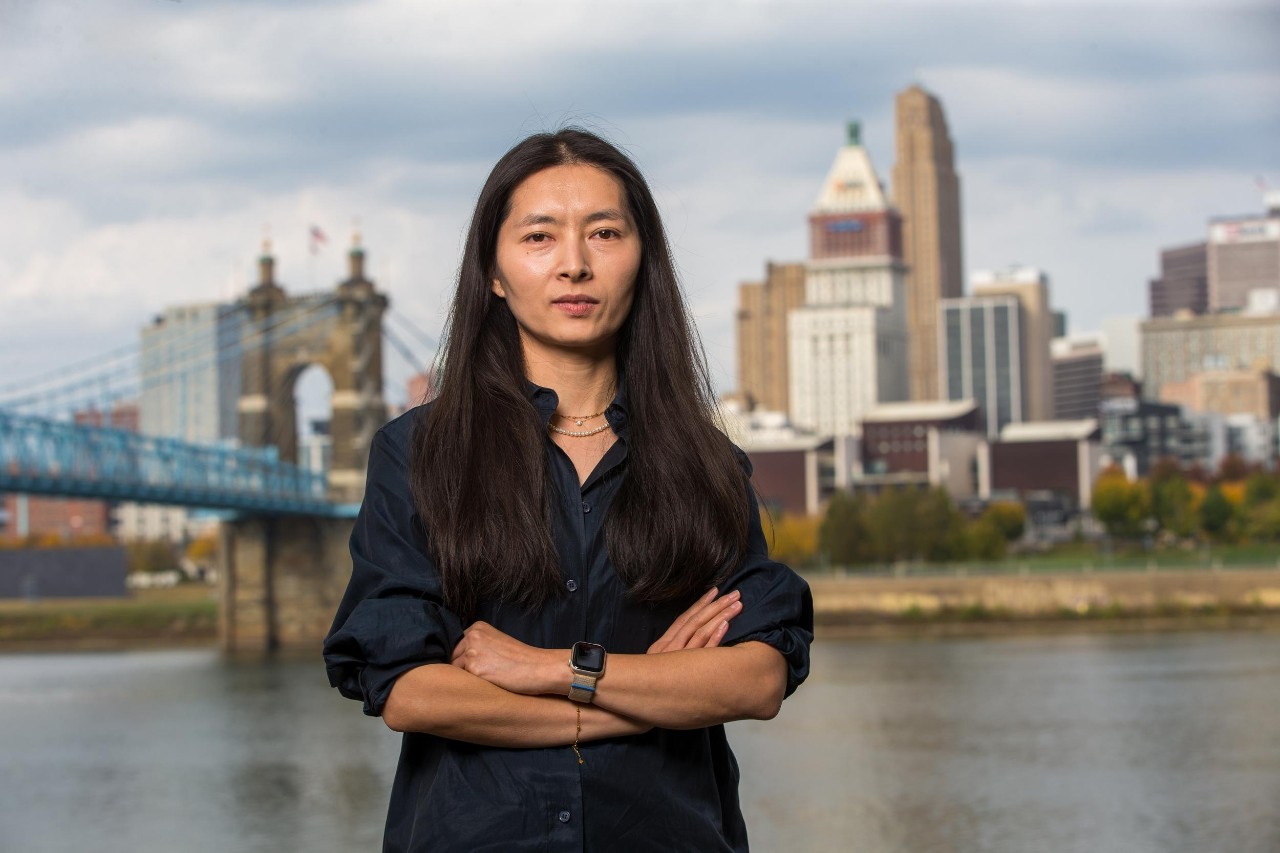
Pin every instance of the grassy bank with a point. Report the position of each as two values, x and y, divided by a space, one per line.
978 620
184 615
188 615
1080 558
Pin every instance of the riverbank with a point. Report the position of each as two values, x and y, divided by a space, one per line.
183 616
869 606
844 607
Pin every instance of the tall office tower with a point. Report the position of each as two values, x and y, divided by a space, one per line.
1077 376
1244 255
926 190
1030 287
848 341
1183 284
980 342
190 365
763 373
191 373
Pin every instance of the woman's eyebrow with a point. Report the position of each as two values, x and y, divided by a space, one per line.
610 213
606 214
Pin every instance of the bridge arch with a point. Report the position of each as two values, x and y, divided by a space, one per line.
339 330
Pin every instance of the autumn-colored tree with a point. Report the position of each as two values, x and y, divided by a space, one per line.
151 555
915 524
1262 521
795 539
1233 491
203 550
1216 514
986 540
1008 518
1260 488
1173 505
1120 505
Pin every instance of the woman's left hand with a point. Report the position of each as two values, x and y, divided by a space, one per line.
514 666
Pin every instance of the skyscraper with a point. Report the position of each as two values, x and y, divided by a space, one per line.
763 375
191 373
981 345
926 190
1183 284
848 341
1030 287
1077 376
1244 255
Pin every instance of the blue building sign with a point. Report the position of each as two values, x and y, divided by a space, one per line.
844 226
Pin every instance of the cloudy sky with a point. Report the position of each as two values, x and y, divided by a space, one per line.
147 145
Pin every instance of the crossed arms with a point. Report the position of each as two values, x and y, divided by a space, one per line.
498 691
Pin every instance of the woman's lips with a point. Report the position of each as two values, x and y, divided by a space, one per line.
576 306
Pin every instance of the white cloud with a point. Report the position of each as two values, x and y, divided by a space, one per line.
145 151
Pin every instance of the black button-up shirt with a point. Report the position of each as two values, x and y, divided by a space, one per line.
664 790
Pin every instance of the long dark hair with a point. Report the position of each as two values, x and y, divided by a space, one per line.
680 519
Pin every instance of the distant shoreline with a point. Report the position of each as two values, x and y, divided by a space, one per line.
865 608
937 628
831 625
940 627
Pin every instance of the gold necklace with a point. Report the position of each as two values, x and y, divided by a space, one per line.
578 419
582 434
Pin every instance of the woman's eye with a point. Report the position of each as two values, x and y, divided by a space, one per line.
607 233
536 238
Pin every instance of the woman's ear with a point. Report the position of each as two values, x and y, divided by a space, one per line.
497 288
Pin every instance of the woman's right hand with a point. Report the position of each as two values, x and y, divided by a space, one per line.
702 626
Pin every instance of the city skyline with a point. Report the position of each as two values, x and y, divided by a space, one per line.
146 153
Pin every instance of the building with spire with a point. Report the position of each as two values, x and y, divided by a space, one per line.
847 342
926 190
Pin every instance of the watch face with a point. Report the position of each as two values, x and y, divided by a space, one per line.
588 657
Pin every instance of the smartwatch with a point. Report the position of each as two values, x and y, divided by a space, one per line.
587 664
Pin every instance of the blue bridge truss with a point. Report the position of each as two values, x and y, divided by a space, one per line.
49 457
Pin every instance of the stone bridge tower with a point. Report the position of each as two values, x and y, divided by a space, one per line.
340 331
282 576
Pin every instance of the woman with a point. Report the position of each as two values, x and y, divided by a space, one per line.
561 589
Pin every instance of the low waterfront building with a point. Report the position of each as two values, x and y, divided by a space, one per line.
1062 458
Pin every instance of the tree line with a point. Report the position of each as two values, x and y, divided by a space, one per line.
897 525
1238 504
1172 506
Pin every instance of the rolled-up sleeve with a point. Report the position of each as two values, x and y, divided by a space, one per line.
392 617
777 606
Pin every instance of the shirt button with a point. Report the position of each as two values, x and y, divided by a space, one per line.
564 816
571 585
586 507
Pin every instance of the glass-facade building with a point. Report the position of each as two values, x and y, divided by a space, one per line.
980 357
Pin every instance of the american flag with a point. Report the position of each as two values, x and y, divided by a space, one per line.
318 238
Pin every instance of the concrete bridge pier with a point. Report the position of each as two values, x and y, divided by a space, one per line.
281 580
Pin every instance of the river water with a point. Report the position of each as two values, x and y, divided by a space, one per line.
1092 742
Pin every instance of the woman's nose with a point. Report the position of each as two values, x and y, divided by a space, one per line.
573 262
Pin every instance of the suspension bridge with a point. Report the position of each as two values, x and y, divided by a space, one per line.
284 537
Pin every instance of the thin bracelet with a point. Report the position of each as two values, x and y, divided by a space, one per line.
578 733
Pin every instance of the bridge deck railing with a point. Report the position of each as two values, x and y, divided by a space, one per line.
49 457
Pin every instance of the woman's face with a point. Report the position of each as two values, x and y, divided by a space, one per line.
566 261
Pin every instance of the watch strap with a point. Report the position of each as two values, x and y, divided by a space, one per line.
583 688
